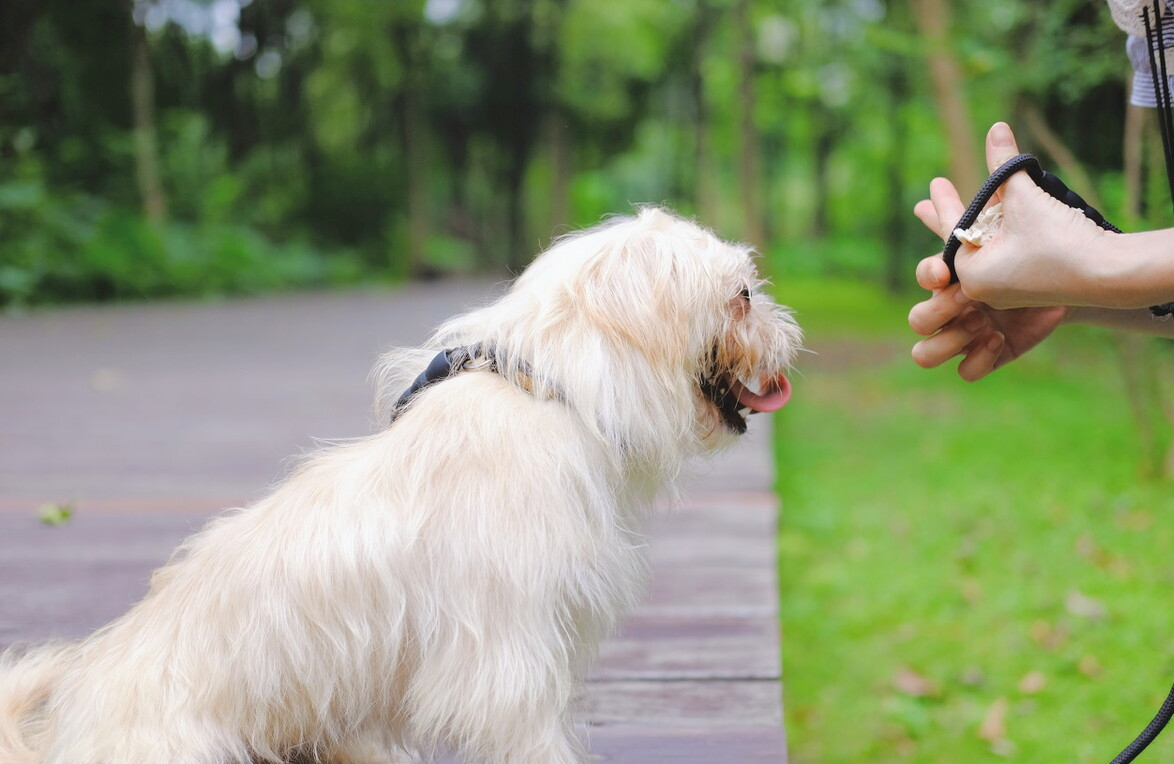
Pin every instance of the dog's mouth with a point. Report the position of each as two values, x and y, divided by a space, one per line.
735 401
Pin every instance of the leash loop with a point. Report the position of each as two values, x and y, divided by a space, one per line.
1052 185
1045 180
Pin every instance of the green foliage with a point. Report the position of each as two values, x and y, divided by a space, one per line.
405 138
78 247
595 80
968 572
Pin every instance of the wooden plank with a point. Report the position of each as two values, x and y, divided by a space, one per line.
701 745
683 703
151 418
651 647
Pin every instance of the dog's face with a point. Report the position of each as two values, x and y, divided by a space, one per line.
669 304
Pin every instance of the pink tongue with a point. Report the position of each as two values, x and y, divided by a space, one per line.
774 396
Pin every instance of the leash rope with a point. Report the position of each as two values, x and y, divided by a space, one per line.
1151 731
1056 188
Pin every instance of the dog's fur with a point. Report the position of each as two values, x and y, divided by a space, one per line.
440 584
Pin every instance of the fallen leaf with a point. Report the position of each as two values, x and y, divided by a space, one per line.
972 676
55 514
994 721
909 682
971 590
1138 520
1090 666
1032 682
1003 747
1080 604
1048 636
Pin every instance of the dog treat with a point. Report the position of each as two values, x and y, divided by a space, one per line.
984 227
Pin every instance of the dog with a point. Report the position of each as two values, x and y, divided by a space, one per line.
444 583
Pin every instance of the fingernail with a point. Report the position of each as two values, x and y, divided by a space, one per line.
1001 135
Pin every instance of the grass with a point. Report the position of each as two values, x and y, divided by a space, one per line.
969 573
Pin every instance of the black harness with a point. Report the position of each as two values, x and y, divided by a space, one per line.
452 361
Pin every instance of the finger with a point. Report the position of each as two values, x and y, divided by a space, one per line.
925 211
930 315
983 357
950 341
933 273
947 205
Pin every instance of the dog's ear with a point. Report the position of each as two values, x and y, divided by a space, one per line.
632 292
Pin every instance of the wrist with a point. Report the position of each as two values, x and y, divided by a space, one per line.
1133 270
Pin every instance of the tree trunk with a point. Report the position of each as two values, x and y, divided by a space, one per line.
933 22
748 162
1133 152
705 181
146 144
560 183
897 266
412 132
415 151
825 144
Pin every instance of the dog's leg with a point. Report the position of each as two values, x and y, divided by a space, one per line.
499 690
367 750
524 739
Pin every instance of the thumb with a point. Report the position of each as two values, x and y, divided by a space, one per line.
1000 145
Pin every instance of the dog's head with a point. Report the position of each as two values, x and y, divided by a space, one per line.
651 327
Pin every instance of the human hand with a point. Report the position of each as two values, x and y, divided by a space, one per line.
985 337
955 324
1044 253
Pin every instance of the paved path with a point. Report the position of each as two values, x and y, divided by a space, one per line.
150 418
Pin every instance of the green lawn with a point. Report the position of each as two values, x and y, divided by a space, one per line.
969 572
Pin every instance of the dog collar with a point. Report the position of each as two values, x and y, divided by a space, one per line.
450 362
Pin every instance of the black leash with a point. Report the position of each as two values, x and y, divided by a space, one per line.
1056 188
1049 183
1156 43
1156 725
1045 180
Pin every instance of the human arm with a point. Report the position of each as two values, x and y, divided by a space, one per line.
1045 258
1046 253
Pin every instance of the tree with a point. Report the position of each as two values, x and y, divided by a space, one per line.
146 144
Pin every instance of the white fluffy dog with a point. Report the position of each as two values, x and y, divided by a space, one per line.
441 584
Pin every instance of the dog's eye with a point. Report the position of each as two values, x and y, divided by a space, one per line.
745 294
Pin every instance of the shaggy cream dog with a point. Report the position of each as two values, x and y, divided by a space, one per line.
440 584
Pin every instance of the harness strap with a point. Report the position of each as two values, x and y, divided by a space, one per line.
443 365
452 361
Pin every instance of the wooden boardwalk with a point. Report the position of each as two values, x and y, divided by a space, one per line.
149 419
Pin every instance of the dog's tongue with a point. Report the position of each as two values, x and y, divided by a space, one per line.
773 397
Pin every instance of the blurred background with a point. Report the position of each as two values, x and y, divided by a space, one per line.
969 573
164 147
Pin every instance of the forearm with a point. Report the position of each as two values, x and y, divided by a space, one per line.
1133 320
1128 271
